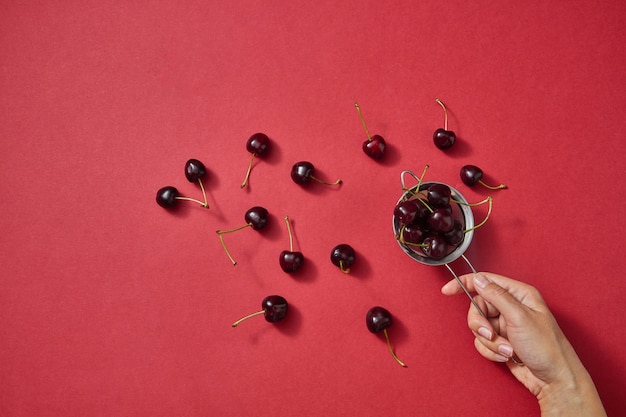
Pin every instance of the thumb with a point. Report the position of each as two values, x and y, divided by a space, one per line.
497 296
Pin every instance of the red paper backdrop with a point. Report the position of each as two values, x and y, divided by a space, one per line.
111 305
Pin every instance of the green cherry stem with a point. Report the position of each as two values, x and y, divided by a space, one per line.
245 180
391 349
486 200
343 269
206 203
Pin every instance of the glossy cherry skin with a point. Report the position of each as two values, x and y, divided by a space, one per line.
257 217
406 211
439 195
275 308
414 233
290 261
378 319
258 144
456 235
471 174
194 170
166 196
343 256
375 147
441 220
436 246
444 139
301 172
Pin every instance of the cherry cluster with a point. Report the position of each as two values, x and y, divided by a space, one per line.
428 218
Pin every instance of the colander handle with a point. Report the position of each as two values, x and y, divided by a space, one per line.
514 358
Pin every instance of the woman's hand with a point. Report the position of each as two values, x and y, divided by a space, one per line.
520 327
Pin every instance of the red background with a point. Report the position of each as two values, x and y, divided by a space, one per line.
111 305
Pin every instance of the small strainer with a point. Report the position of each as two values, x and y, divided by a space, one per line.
461 211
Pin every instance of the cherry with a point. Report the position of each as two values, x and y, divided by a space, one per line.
455 235
194 172
302 173
441 220
256 217
435 246
290 260
439 195
444 138
168 196
412 234
374 146
471 174
273 307
379 319
258 145
343 256
406 211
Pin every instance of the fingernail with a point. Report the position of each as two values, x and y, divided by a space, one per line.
505 350
480 280
501 358
485 332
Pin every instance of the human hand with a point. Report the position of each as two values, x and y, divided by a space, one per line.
520 323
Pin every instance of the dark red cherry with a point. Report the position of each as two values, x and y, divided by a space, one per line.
441 220
406 211
258 144
378 319
413 233
435 246
256 217
291 261
375 147
273 307
444 139
166 196
456 235
302 173
471 174
439 195
343 256
194 170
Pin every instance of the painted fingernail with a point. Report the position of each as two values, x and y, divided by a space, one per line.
480 280
505 350
485 332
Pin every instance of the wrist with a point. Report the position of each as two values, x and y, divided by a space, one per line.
573 395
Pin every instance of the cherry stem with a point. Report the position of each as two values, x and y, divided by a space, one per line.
235 324
245 180
404 242
492 187
367 132
445 114
324 182
343 269
222 232
206 203
391 350
289 231
419 180
203 204
486 200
